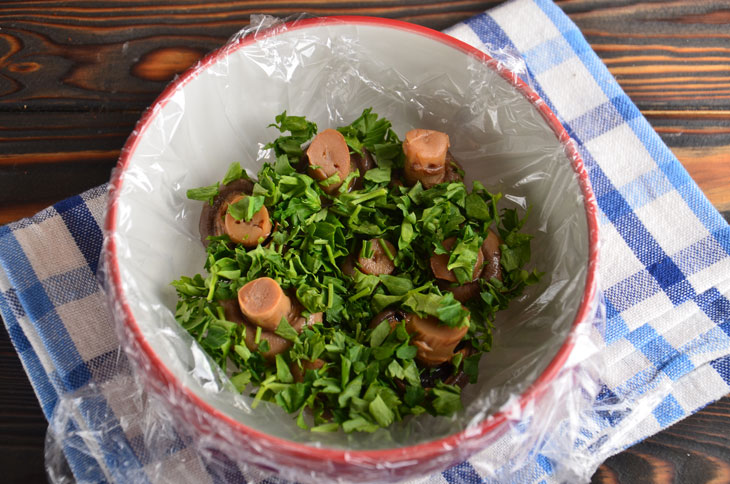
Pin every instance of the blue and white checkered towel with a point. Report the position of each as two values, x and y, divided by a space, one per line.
665 272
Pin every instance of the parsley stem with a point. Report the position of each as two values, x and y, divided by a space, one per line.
330 255
211 290
385 248
380 192
355 213
262 389
362 293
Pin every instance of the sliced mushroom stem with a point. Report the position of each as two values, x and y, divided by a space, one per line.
435 341
381 260
212 217
276 343
492 255
264 303
461 293
232 310
440 263
361 163
327 155
453 168
248 233
425 152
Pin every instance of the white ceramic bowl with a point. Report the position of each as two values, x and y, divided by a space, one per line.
329 70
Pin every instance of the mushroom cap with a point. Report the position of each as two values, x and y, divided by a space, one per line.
248 233
212 216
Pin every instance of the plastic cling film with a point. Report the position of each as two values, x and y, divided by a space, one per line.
176 417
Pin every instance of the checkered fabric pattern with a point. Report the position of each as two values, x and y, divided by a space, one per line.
665 272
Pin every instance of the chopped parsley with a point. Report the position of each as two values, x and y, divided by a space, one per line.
366 377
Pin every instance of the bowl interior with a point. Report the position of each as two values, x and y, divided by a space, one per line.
330 73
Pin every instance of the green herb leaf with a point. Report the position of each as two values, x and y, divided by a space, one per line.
359 424
471 367
451 312
204 194
378 175
476 207
351 390
246 208
235 172
406 352
396 285
241 380
414 395
448 399
286 331
327 427
380 411
282 370
379 334
395 370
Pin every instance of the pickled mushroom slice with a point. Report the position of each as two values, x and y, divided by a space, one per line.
328 154
264 303
492 256
435 341
248 233
425 151
440 263
381 259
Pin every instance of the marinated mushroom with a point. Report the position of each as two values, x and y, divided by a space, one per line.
381 259
264 303
248 233
492 256
442 372
425 151
212 217
277 344
392 316
440 263
348 266
463 292
435 341
232 311
453 169
328 154
445 371
299 372
362 163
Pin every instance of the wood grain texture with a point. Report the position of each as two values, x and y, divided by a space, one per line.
22 425
663 53
76 75
694 450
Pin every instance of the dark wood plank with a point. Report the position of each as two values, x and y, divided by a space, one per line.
665 54
692 450
86 55
49 156
22 425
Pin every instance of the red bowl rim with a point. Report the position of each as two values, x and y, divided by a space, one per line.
425 450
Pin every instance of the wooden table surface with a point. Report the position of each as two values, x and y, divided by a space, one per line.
75 76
